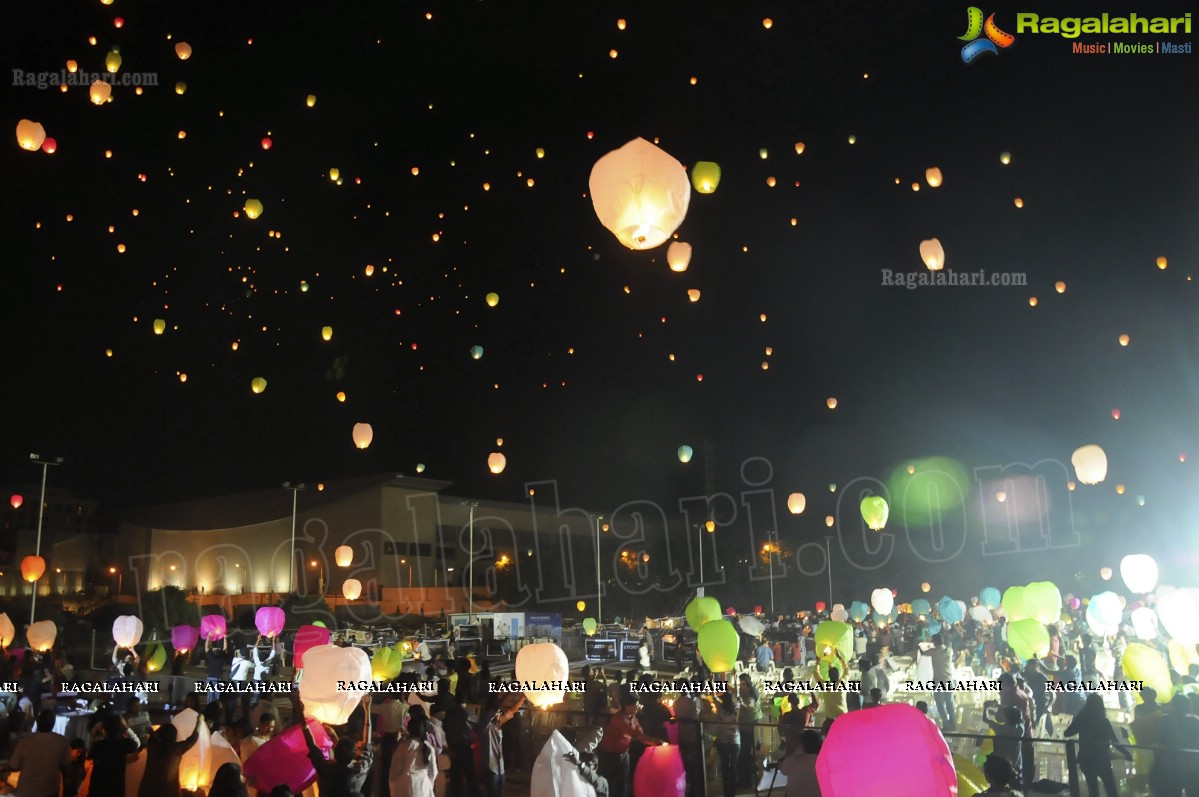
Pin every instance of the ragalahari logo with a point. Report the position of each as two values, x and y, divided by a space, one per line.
995 40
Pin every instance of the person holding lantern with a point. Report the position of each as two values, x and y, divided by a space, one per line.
215 663
620 734
351 764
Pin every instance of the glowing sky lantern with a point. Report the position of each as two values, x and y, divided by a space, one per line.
7 630
1144 623
363 434
1090 464
833 636
678 256
324 666
310 100
693 295
589 626
640 194
933 176
326 333
30 135
1162 263
112 61
41 635
542 661
32 568
796 502
1179 615
269 621
882 600
476 352
16 501
1105 573
685 454
1043 601
100 92
701 611
831 402
351 589
719 643
420 467
1013 604
1005 158
1139 572
492 299
257 384
213 627
335 174
659 772
1124 340
915 755
1104 613
180 87
705 176
496 462
185 637
343 555
933 254
253 208
266 143
183 50
160 326
1143 663
990 597
875 511
1028 638
925 586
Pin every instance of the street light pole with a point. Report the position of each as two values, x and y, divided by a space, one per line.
828 558
771 547
291 562
470 565
41 508
599 582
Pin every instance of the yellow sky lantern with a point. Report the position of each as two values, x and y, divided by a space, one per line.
1018 202
100 92
326 333
1059 286
1005 158
678 256
496 462
311 100
640 194
693 294
369 270
257 384
253 208
705 176
180 87
72 66
540 152
932 176
335 174
363 434
1162 263
933 254
341 396
183 50
30 135
492 299
112 61
160 326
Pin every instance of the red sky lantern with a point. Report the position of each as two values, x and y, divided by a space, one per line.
758 609
49 146
16 501
266 143
730 611
32 568
820 606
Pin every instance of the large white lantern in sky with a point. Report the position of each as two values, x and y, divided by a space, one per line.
363 434
1139 572
541 662
1179 614
882 600
640 194
126 631
1090 463
324 666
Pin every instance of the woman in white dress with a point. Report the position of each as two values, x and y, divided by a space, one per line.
413 765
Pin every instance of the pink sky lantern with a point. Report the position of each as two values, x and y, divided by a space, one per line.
913 761
212 627
284 759
270 620
660 772
309 636
730 611
185 637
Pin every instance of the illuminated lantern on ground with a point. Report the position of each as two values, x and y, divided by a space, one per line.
1104 613
640 194
949 609
7 631
678 256
496 462
386 664
685 454
253 208
832 636
1090 464
933 176
213 627
542 661
184 637
875 512
882 600
718 644
933 254
363 434
989 597
16 501
269 621
701 611
1179 615
1013 604
1028 638
1139 572
913 762
157 658
492 299
796 503
324 666
660 772
183 50
308 637
1143 663
30 135
344 556
705 176
32 568
100 92
284 759
858 611
126 631
1043 601
351 589
589 626
41 635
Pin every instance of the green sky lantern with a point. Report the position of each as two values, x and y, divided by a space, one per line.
685 454
831 637
1029 638
705 176
702 611
589 626
476 352
718 644
1143 663
875 512
1013 604
112 61
157 658
258 384
1043 601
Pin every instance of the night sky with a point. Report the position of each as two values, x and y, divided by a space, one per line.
1103 156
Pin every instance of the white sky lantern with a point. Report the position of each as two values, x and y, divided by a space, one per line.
41 635
195 767
344 556
796 502
30 135
1179 614
1144 623
933 254
1139 572
1090 464
542 661
100 92
324 666
640 194
351 589
496 462
678 256
882 600
126 631
363 435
